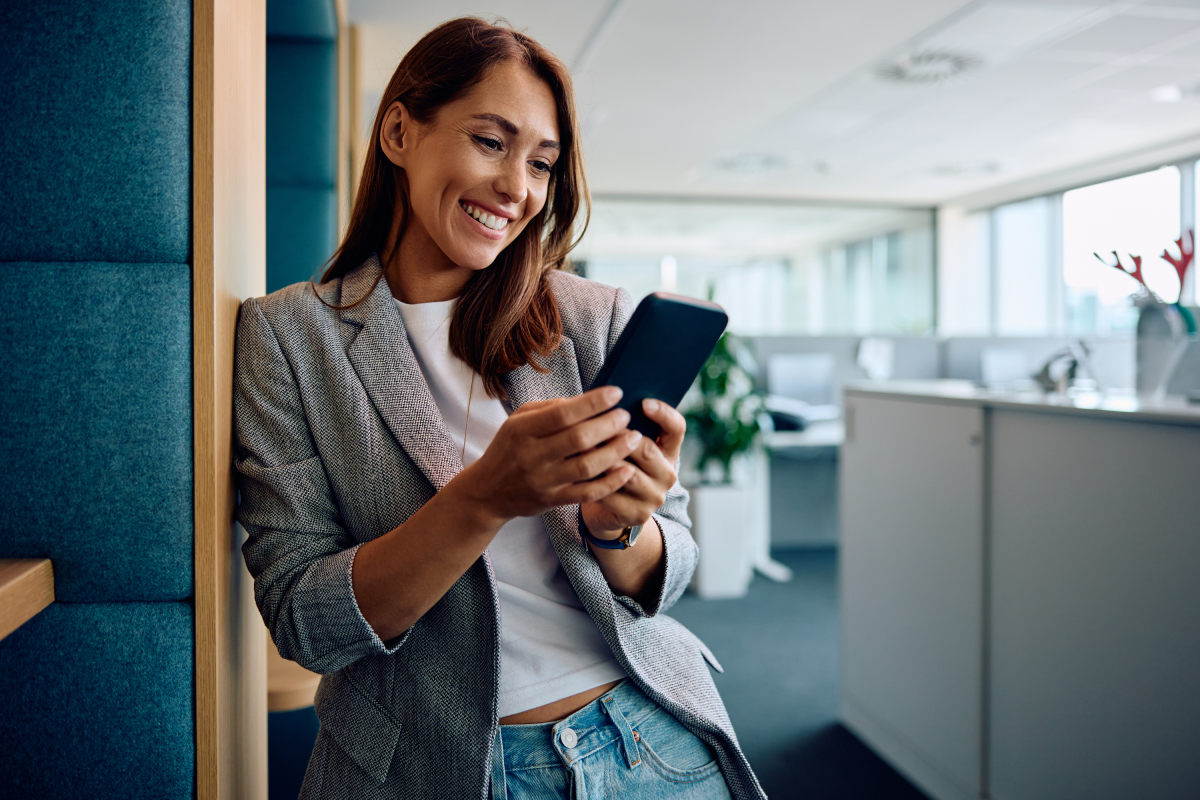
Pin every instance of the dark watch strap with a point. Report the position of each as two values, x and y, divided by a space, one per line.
619 543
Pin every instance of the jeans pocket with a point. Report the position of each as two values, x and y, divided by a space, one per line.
674 752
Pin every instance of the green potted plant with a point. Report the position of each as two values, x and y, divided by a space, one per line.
722 410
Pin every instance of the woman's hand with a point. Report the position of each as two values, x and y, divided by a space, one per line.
554 453
646 490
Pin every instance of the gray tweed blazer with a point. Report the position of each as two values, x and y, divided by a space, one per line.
338 441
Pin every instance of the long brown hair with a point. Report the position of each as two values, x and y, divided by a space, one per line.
506 314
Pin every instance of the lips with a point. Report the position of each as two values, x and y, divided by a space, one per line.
484 218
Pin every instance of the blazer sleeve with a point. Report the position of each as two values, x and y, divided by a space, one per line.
298 551
679 548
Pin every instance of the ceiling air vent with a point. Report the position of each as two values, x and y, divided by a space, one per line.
932 66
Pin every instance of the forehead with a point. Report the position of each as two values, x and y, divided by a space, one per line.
515 92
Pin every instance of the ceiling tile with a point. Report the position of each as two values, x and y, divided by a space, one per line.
1125 34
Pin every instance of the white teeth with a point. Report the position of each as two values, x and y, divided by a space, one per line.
493 222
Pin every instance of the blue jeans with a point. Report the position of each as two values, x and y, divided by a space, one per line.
622 745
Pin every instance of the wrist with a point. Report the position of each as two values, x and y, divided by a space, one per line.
471 501
618 539
596 530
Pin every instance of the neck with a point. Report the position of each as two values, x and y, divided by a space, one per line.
417 270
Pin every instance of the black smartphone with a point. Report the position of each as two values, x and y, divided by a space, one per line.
660 353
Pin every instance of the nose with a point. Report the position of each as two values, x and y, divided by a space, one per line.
512 183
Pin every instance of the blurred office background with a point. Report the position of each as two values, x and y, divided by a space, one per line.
930 178
898 202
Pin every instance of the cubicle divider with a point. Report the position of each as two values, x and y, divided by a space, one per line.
804 477
131 226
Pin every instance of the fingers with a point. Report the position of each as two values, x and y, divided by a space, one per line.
598 489
556 416
535 405
653 462
673 425
585 435
588 465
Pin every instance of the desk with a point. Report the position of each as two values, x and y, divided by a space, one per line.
822 435
289 685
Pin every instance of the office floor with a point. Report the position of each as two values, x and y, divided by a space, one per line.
779 648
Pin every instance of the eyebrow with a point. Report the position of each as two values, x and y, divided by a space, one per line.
512 129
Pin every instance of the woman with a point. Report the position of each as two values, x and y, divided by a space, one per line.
472 550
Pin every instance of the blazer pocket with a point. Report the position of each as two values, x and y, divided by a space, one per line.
360 726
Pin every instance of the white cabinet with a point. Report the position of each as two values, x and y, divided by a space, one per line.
1021 594
1095 609
911 587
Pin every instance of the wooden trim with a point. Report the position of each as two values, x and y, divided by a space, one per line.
344 84
228 265
357 142
26 587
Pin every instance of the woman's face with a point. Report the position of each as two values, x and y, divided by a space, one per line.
479 171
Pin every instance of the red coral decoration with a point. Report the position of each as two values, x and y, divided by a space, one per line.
1135 273
1186 255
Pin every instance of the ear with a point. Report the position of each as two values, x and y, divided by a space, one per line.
397 134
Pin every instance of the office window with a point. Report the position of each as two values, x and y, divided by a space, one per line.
776 268
1026 267
1138 215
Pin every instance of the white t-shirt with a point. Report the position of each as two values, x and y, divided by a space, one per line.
551 648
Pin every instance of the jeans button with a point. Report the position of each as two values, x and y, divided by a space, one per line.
568 738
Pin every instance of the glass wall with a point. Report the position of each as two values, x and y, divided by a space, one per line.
777 268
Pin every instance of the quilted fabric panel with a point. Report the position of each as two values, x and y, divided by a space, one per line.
95 149
96 399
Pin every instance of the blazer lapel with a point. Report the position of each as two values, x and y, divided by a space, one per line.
527 385
384 361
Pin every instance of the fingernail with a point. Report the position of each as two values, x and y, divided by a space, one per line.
613 393
623 415
650 406
633 437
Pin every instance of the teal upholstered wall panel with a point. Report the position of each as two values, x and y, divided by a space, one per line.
301 19
301 141
301 233
96 440
301 113
95 144
97 703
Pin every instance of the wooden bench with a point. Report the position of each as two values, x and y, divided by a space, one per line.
26 587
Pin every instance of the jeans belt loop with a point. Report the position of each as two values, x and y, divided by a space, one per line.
499 784
633 755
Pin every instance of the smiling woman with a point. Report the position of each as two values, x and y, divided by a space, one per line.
471 549
470 104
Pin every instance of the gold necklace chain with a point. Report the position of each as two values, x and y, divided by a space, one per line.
467 424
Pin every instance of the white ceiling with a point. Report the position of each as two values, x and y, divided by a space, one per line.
763 98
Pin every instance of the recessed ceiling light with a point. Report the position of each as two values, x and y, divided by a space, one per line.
750 163
1175 93
963 169
1167 94
931 66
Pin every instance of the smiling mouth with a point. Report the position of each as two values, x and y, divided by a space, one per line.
484 218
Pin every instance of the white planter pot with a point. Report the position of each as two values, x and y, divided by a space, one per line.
721 525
